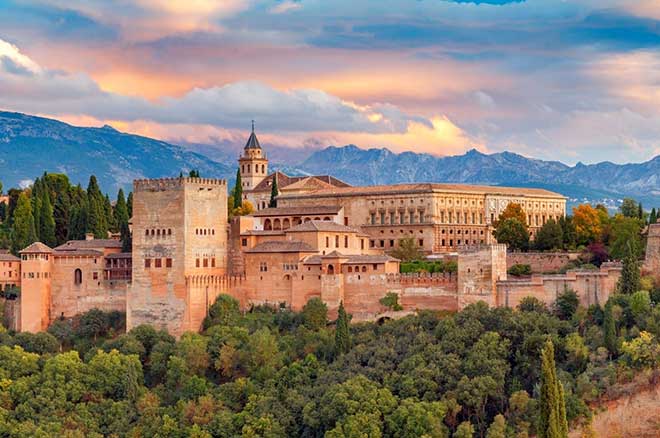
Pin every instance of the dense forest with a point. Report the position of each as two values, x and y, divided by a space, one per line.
53 211
275 373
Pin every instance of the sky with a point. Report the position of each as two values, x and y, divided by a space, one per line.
560 80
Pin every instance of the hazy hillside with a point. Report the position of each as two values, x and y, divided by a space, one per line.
603 182
31 145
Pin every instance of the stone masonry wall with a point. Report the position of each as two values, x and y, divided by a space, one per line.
541 262
652 261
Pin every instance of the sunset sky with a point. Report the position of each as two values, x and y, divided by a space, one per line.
564 80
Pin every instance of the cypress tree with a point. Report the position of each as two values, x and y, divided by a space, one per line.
640 211
121 209
653 218
96 212
47 220
274 191
609 330
24 232
552 407
238 190
109 215
629 282
129 205
126 239
35 198
342 332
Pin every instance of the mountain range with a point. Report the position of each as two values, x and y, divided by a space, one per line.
30 145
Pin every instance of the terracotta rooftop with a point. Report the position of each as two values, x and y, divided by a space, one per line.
427 188
36 248
284 180
298 211
282 246
89 244
7 257
321 226
120 255
350 259
78 253
263 233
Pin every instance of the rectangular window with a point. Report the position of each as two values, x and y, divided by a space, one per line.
95 275
197 263
206 263
345 241
168 263
421 242
147 263
372 243
373 219
391 243
336 241
244 242
213 262
327 242
402 218
382 244
392 217
382 218
159 263
375 266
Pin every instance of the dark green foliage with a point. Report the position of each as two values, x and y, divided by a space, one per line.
3 211
438 266
513 233
238 190
653 217
408 250
566 304
569 233
129 205
532 304
40 343
97 223
225 311
520 270
47 220
552 410
24 232
274 192
550 236
315 314
342 331
391 301
609 329
630 275
193 174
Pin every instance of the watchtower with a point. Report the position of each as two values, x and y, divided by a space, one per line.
253 163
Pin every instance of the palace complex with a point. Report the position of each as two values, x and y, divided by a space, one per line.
324 239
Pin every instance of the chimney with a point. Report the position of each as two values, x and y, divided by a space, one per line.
89 236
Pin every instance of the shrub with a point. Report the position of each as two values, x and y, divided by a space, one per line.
520 270
391 301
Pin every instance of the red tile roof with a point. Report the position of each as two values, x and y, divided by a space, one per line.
281 246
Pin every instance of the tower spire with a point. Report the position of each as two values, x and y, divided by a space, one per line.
253 126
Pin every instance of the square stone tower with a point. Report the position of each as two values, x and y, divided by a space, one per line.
652 262
179 234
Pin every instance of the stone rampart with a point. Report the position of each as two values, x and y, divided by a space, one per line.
541 262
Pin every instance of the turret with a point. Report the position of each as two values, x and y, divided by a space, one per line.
253 163
36 269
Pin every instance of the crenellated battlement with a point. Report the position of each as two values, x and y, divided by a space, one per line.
163 184
422 278
209 280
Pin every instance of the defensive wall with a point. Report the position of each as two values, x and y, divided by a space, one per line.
541 262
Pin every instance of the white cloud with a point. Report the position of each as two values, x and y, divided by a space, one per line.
229 106
285 6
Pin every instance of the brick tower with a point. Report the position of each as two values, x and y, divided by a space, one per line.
652 262
253 163
36 269
179 239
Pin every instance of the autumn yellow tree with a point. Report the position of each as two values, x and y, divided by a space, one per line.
588 223
513 211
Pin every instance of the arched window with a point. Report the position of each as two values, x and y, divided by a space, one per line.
268 225
277 225
331 270
350 269
364 269
77 277
287 277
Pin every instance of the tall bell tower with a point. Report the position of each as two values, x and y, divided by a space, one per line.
253 163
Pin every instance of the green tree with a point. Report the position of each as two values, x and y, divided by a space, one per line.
47 220
653 217
342 331
129 205
566 304
121 209
629 281
238 190
224 311
549 236
569 233
497 428
408 250
464 430
513 233
609 329
274 192
96 211
391 301
552 407
315 314
624 232
24 232
629 208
